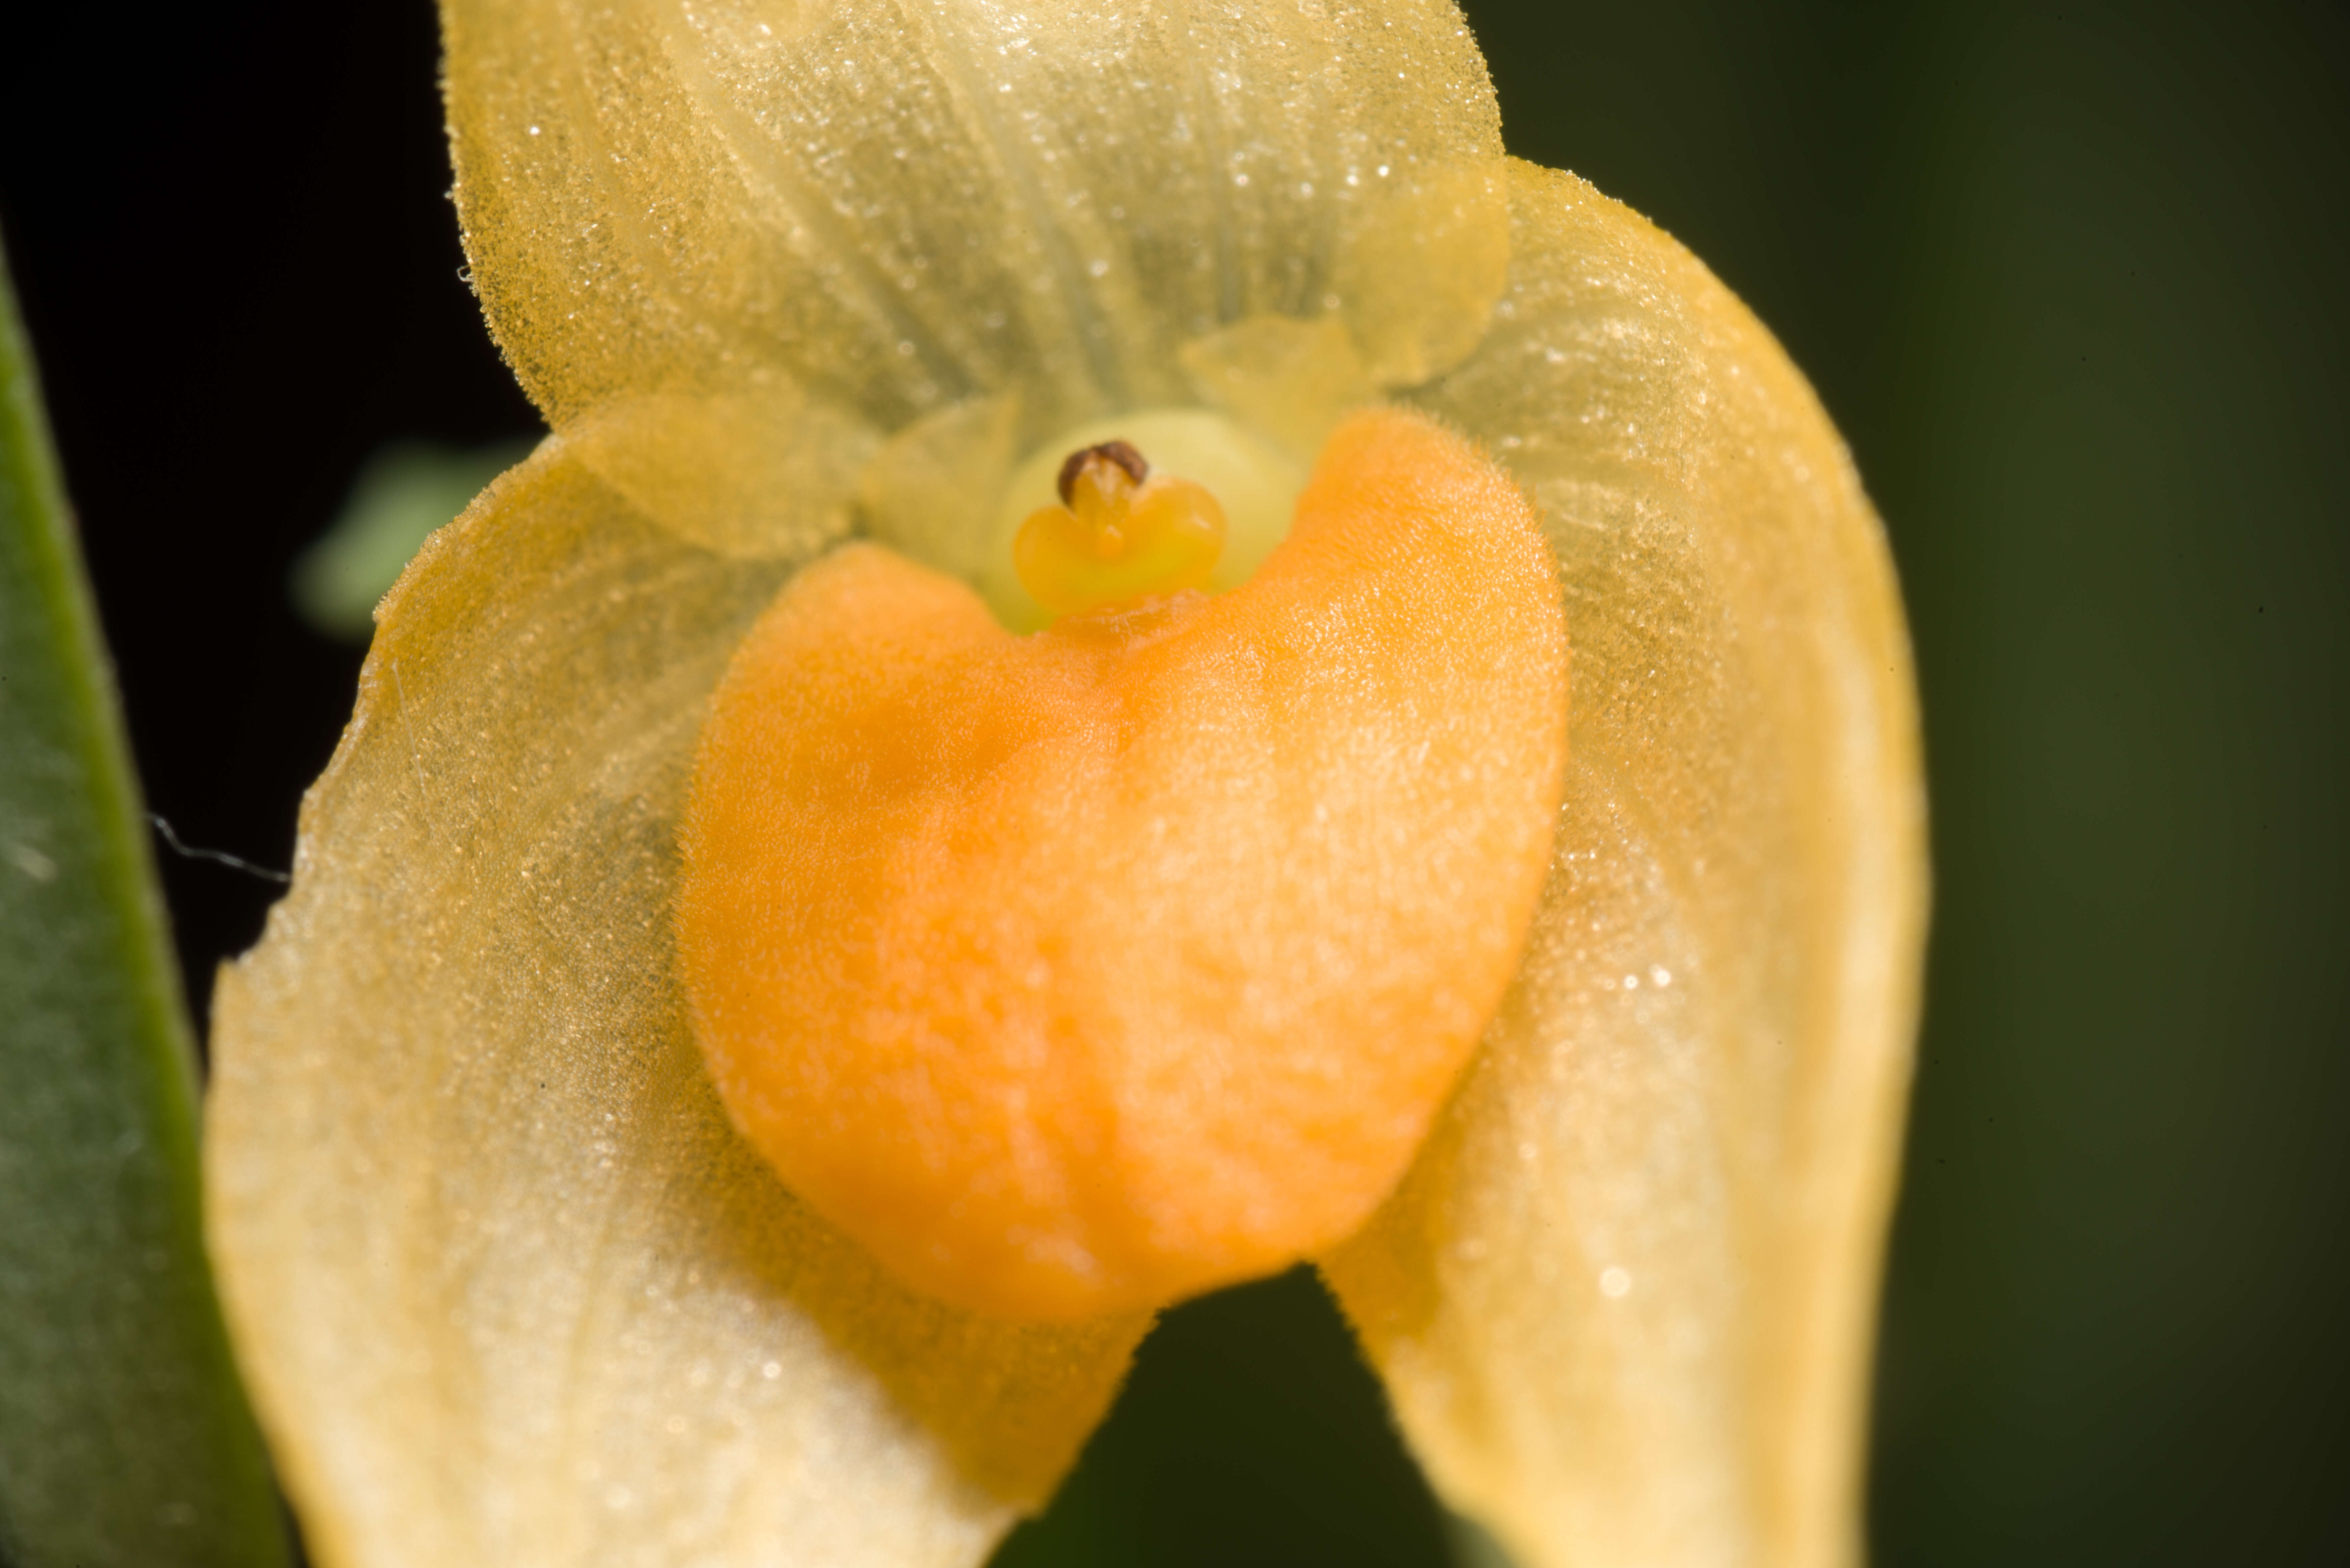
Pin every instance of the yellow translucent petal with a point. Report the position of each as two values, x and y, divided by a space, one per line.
1422 277
1623 1301
1292 380
508 1288
898 205
935 492
764 475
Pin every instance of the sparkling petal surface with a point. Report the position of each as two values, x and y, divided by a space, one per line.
1623 1300
507 1287
899 207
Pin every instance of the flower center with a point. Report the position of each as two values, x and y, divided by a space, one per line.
1248 480
1121 535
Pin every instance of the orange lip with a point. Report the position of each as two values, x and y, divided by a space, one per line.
1082 970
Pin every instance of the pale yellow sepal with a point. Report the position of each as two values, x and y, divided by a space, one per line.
1623 1301
902 206
507 1288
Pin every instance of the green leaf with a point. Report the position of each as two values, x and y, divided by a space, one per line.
124 1436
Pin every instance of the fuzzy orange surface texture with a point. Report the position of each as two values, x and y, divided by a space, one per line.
1075 972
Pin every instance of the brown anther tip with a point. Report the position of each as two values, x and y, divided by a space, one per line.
1118 451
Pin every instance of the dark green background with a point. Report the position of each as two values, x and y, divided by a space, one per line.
2068 277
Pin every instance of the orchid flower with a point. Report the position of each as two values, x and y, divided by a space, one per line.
509 1284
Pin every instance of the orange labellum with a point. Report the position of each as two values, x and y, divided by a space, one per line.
1081 971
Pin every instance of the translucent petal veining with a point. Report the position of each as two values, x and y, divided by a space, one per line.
507 1287
1623 1303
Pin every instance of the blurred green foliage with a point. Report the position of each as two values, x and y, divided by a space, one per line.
403 492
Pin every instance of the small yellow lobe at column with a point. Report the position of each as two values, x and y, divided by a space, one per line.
1122 536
